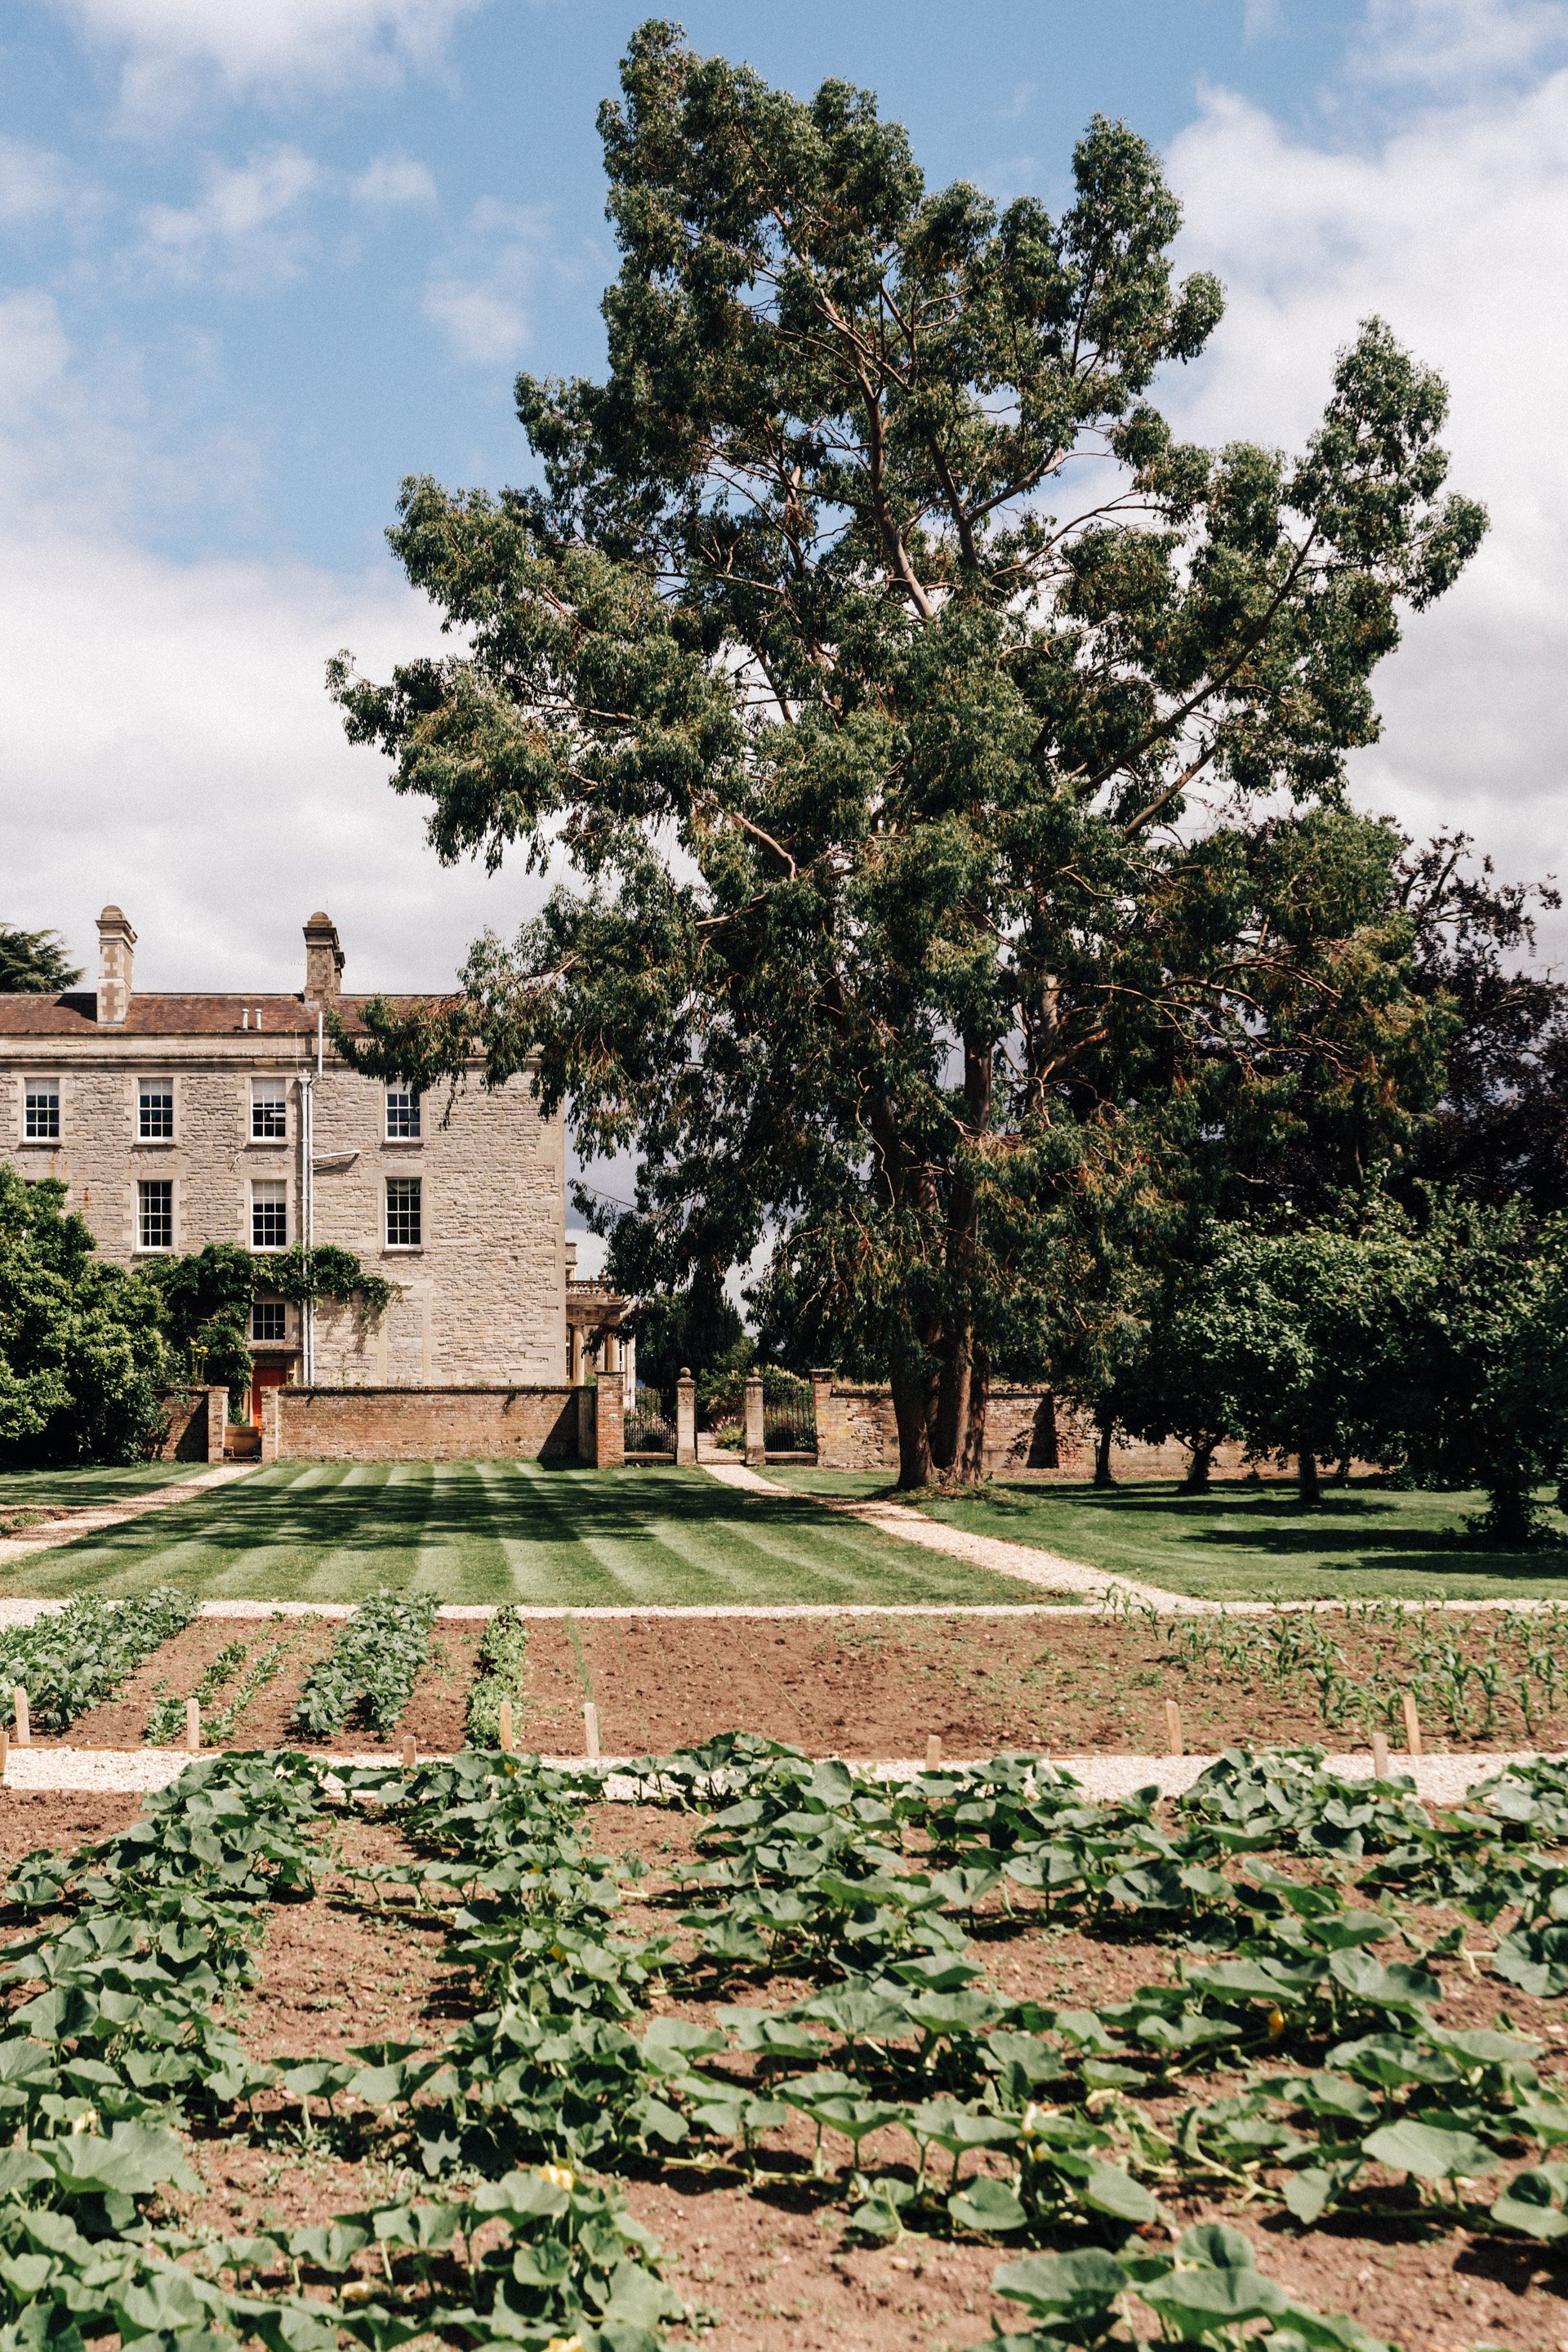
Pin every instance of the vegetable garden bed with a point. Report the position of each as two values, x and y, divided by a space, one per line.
446 2053
860 1685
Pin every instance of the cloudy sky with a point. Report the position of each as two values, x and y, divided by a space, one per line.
258 261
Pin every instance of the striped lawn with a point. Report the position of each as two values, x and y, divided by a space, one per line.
90 1489
477 1531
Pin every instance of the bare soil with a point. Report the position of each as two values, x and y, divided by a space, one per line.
863 1686
33 1818
880 1685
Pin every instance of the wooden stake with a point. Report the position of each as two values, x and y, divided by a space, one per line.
192 1725
1173 1741
1412 1724
410 1752
591 1729
1379 1756
4 1752
19 1701
933 1750
506 1732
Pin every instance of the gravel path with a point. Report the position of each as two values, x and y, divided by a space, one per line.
1439 1779
1052 1573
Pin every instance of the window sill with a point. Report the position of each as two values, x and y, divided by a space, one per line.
153 1249
266 1142
403 1249
39 1142
155 1143
402 1143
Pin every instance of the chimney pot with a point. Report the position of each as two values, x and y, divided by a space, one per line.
115 941
323 961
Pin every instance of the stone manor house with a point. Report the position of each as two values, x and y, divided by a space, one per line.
176 1120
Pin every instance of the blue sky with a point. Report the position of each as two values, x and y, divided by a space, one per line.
331 286
258 261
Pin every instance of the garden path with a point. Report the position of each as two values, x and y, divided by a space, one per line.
1029 1562
1437 1780
73 1521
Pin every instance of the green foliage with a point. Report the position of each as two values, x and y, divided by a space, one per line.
70 1659
502 1667
324 1271
206 1298
696 1330
903 922
1480 1390
372 1666
34 963
81 1358
205 1310
239 1670
1288 1340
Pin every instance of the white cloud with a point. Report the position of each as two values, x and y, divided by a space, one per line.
393 180
34 182
1455 229
165 739
173 50
479 294
245 217
1455 44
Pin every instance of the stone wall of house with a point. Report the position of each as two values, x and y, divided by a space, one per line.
196 1426
422 1425
484 1296
1025 1430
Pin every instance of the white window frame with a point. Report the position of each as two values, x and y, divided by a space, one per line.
269 1094
146 1184
268 1193
161 1089
406 1189
274 1310
40 1089
410 1110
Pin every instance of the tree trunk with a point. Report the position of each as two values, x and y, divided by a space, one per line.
1196 1481
971 1461
1341 1477
912 1412
1311 1491
1104 1425
1510 1522
957 1440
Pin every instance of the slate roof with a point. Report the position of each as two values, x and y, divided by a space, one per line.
74 1014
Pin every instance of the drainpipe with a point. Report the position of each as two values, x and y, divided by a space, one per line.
308 1079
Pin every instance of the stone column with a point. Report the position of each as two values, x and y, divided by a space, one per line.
272 1424
587 1413
685 1417
609 1423
822 1415
218 1422
756 1449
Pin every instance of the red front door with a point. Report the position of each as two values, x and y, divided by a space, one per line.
264 1376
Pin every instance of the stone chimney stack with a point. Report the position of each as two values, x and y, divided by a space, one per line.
323 961
115 941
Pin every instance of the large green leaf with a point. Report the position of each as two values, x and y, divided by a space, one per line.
1432 2154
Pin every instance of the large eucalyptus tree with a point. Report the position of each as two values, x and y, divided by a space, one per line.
895 685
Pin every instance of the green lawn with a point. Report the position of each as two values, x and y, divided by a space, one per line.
1242 1542
42 1490
503 1531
